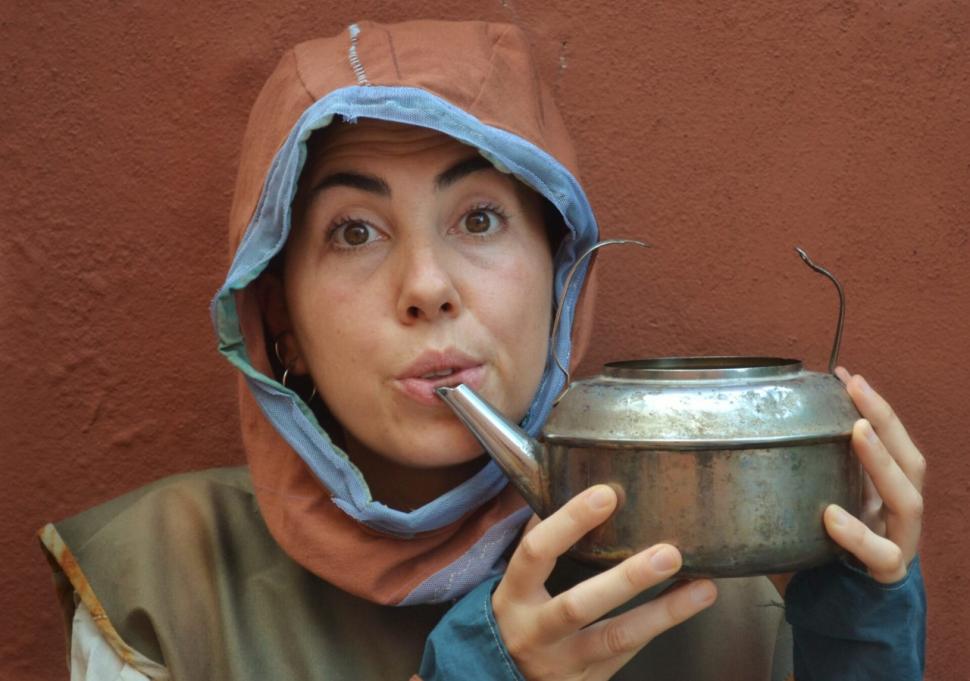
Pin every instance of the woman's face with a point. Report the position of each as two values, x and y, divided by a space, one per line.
413 264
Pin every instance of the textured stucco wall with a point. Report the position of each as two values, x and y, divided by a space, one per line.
722 135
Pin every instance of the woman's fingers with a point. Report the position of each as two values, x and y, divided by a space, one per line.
872 512
843 374
882 557
902 501
614 641
588 601
535 557
891 431
895 471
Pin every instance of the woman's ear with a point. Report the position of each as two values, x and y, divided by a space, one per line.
276 318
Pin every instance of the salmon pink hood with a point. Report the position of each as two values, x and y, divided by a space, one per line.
476 82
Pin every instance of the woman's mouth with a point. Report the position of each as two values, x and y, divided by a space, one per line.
436 369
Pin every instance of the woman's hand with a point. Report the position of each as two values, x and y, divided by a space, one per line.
887 536
560 637
885 540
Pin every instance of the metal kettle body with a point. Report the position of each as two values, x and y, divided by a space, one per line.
730 459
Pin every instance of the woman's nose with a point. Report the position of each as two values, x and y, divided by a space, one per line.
427 286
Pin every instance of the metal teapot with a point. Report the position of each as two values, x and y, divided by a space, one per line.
730 459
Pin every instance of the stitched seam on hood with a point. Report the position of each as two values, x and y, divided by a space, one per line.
488 74
390 48
354 57
306 88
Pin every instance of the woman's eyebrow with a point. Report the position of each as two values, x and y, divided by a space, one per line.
376 185
461 169
367 183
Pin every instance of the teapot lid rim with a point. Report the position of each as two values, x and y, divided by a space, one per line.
702 367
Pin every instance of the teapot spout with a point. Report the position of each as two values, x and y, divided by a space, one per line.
512 448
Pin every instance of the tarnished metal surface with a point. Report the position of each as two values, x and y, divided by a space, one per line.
730 512
516 452
710 402
731 459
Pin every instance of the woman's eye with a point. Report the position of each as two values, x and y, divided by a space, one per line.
481 221
353 233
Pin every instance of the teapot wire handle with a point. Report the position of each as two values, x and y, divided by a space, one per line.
834 357
836 345
562 299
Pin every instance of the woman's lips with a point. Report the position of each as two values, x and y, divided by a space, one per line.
435 369
423 389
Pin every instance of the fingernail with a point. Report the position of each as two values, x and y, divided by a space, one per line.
663 560
600 498
871 434
839 517
702 592
864 386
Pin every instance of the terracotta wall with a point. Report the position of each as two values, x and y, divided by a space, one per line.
725 135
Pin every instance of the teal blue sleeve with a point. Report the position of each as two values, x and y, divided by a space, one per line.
466 643
848 626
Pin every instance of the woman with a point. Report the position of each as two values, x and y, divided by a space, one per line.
406 209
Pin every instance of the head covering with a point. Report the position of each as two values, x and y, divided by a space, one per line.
477 83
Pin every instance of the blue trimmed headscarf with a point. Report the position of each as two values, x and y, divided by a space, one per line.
379 72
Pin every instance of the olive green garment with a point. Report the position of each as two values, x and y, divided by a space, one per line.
189 576
183 572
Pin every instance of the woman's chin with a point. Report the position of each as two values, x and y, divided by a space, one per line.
443 453
438 446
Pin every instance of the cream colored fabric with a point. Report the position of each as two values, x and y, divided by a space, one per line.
93 658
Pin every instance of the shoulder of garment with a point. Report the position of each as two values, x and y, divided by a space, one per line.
183 576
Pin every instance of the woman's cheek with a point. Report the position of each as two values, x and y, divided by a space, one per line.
530 285
342 330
